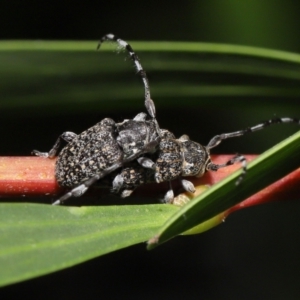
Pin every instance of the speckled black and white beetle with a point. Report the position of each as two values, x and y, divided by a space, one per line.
137 149
106 146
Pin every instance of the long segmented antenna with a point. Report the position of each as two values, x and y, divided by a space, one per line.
148 101
216 140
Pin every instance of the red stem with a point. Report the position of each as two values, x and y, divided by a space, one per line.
35 176
27 176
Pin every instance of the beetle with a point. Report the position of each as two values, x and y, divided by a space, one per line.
137 150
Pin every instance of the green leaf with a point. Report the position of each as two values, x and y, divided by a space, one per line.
39 239
269 167
57 75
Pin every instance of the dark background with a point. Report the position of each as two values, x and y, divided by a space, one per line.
254 254
272 23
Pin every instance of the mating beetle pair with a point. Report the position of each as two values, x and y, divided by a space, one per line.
137 149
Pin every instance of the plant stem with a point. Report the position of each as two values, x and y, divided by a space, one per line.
27 176
33 176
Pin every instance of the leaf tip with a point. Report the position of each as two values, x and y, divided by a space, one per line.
153 242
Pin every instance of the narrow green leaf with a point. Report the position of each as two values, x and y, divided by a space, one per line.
76 46
266 169
39 239
57 74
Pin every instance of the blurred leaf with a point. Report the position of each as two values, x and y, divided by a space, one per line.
38 239
58 75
